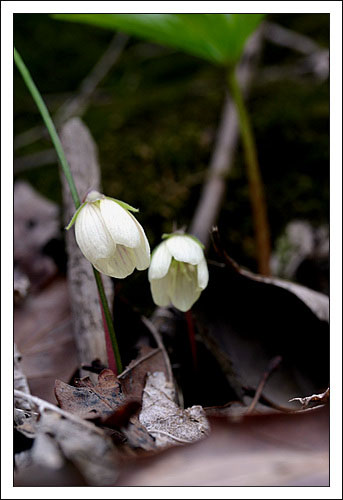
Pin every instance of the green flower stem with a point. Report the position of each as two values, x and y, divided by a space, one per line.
257 197
66 170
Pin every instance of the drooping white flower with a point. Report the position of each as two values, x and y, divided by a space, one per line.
110 237
178 272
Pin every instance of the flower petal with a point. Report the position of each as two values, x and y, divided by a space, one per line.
91 235
142 252
184 290
160 262
202 274
120 265
119 224
185 249
159 291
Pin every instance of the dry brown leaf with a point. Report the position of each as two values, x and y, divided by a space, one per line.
60 436
44 335
108 404
92 452
315 398
164 420
133 377
245 321
91 401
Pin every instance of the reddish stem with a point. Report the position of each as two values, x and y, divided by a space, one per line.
191 336
110 354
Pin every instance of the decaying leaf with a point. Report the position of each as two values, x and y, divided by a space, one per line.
61 436
44 335
246 322
90 401
164 420
316 301
91 451
132 379
108 404
317 399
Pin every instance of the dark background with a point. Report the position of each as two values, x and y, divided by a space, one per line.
154 119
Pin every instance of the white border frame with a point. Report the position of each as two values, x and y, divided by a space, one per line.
334 8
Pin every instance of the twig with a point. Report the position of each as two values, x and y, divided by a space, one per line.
138 362
82 156
44 405
221 163
249 391
270 369
34 160
155 333
285 37
78 104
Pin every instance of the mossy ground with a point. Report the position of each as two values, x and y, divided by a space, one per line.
154 119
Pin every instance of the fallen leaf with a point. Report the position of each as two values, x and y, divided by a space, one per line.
89 401
60 435
315 398
164 420
246 322
107 404
133 377
316 301
43 332
91 451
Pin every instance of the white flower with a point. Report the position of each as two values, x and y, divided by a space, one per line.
110 237
178 272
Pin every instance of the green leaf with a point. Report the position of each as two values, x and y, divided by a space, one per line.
218 38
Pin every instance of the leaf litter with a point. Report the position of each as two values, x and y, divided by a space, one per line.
103 428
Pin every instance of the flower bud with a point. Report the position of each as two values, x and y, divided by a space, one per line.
178 272
110 237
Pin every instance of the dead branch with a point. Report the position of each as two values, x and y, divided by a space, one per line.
275 362
34 160
78 104
285 37
44 405
81 154
156 334
137 362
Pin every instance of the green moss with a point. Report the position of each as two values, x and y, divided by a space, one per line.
154 119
